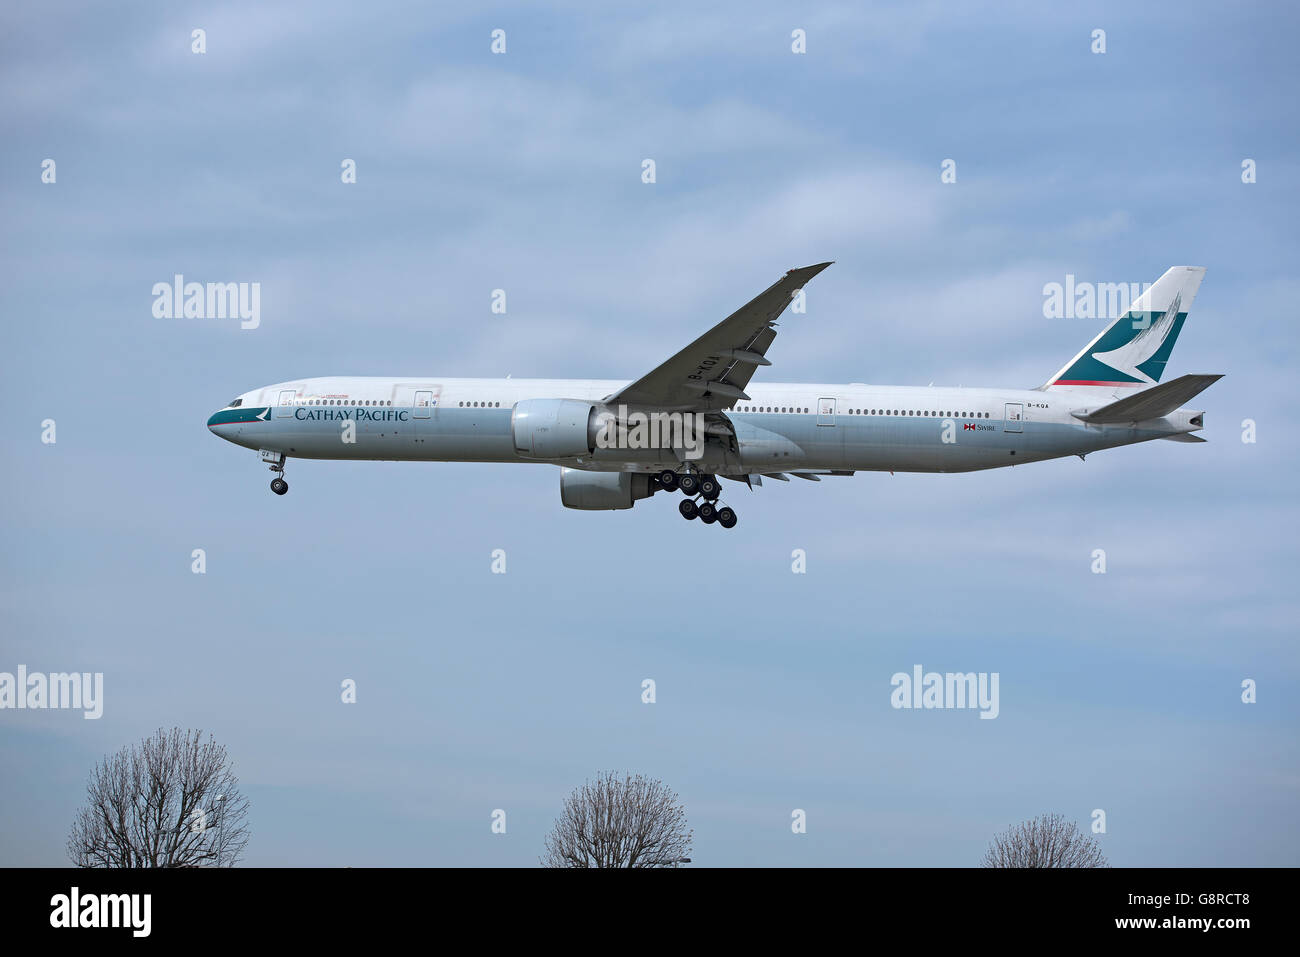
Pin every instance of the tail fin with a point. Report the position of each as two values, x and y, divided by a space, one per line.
1133 350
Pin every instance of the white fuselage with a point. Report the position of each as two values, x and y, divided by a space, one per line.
782 427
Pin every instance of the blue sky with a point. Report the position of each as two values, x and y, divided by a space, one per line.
522 171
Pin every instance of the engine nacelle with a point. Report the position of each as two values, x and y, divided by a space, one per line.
593 491
553 428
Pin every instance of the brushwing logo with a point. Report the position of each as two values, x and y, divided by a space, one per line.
1143 346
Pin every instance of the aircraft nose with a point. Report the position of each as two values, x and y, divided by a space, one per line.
224 424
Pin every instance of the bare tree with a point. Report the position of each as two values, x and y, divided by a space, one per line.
608 822
171 801
1046 841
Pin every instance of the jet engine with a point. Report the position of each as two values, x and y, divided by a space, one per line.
593 491
553 428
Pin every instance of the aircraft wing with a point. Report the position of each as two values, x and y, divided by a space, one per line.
712 372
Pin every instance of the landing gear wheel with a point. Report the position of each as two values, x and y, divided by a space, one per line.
688 509
279 486
708 514
689 484
668 480
709 488
726 517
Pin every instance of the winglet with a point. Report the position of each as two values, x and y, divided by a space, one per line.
809 271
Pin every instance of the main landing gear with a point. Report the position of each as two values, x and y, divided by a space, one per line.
702 493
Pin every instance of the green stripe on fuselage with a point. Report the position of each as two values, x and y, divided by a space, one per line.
233 416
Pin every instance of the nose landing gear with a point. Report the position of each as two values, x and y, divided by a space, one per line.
278 485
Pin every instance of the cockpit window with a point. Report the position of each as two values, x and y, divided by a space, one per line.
236 403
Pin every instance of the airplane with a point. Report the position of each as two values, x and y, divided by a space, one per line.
698 418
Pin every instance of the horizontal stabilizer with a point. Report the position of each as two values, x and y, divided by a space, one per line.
1152 403
1183 437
